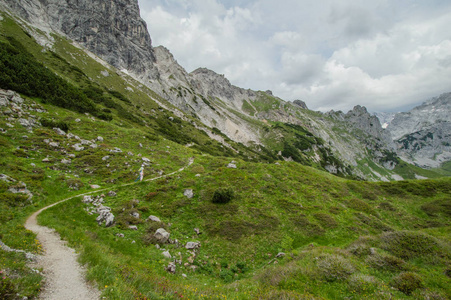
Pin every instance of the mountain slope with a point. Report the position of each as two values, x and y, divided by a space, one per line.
423 135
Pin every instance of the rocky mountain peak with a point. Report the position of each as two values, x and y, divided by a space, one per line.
300 103
113 30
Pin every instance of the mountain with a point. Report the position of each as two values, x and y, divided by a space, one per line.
423 135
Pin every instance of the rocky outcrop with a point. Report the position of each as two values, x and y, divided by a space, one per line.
423 135
113 30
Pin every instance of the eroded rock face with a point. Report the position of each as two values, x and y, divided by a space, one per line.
113 30
423 135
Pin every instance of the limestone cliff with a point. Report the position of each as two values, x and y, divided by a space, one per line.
113 29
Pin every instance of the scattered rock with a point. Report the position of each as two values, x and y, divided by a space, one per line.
6 178
167 254
231 166
21 188
133 227
116 150
121 235
162 235
188 193
135 215
105 215
153 218
105 158
111 194
171 268
197 231
184 275
100 139
198 175
66 161
95 186
280 254
146 160
77 120
78 147
192 245
46 159
59 131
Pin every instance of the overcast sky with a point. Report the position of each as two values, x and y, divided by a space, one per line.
383 54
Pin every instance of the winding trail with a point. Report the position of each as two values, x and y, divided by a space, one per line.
64 276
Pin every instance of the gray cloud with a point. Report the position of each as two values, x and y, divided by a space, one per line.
386 55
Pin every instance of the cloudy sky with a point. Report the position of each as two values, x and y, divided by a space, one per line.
386 55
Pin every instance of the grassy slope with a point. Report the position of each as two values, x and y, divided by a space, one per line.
317 219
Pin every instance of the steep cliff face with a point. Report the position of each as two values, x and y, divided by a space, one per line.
423 135
113 30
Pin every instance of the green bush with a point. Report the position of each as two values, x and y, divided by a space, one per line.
222 196
226 275
408 244
334 267
386 262
362 283
407 282
55 124
326 220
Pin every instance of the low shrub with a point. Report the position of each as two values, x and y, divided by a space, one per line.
55 124
151 195
434 208
326 220
386 262
407 282
226 275
362 283
222 196
335 267
408 244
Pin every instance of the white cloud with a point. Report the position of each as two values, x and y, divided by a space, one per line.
333 55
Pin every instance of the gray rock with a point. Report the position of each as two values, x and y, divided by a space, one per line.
78 147
59 131
6 178
280 254
116 150
167 254
232 166
133 227
112 194
188 193
121 235
21 188
192 245
87 199
46 159
171 267
197 231
54 144
162 235
77 120
66 161
95 186
135 215
105 158
153 219
146 160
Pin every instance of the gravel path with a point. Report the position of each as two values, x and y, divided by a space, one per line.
65 278
64 275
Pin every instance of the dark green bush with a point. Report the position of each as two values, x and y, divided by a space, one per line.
222 196
55 124
226 275
407 282
386 262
